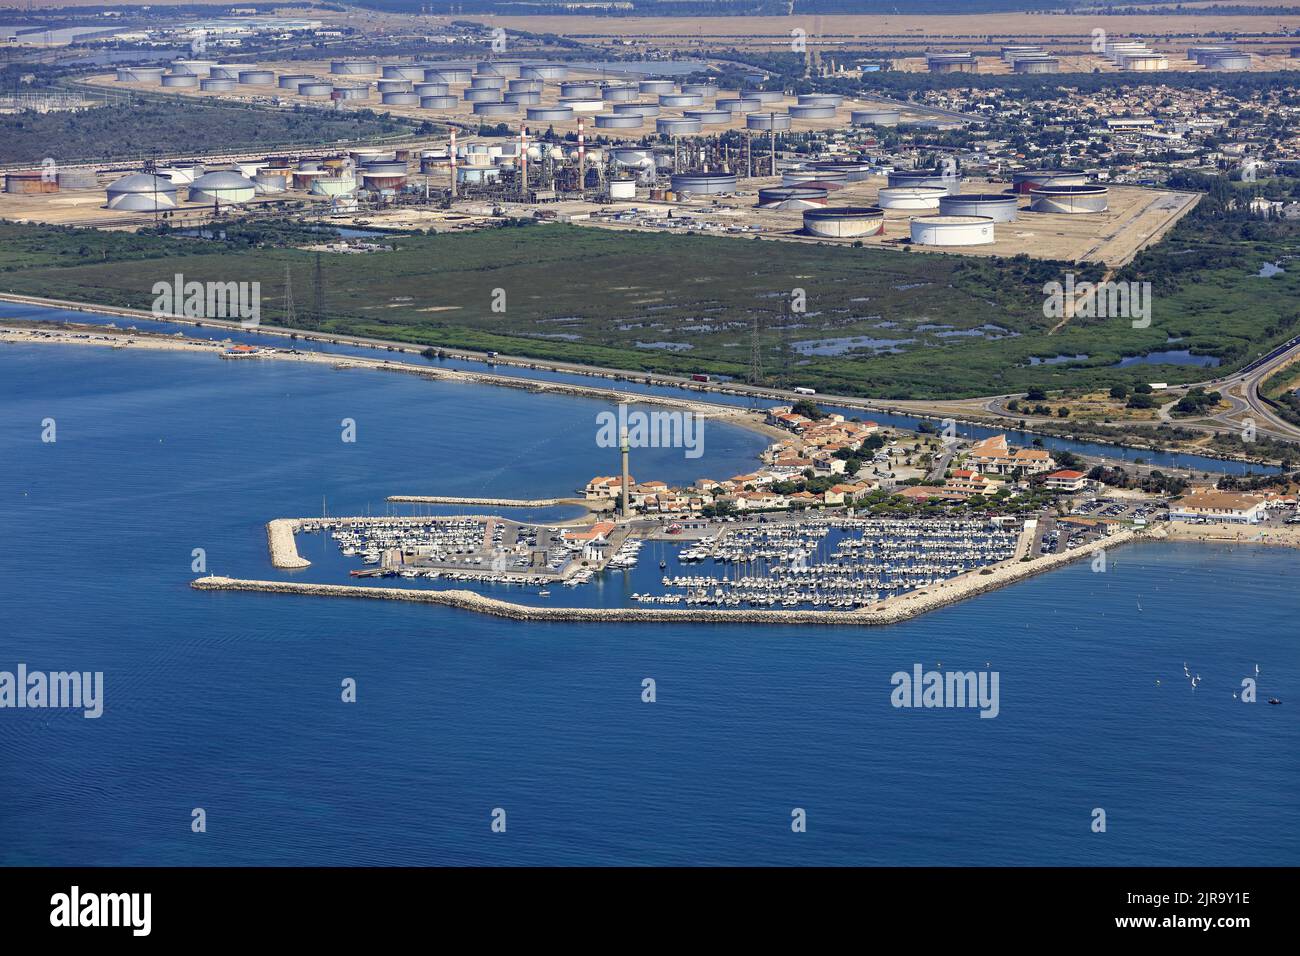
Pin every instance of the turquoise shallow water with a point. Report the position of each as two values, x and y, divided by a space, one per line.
230 702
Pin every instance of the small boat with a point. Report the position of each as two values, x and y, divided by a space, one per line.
1274 700
543 593
662 565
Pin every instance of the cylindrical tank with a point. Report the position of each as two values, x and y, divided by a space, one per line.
1000 207
704 183
142 193
270 181
949 180
222 187
854 170
139 74
447 74
844 222
479 95
656 87
617 93
1234 61
400 99
549 114
431 89
794 177
394 86
354 67
361 92
499 108
497 83
577 89
525 86
579 105
522 97
709 117
316 88
768 97
333 186
812 112
405 71
677 127
910 197
1025 180
638 109
224 71
1069 199
768 120
193 67
31 182
950 63
952 230
181 80
1045 64
874 117
619 121
736 104
820 99
544 71
217 85
290 81
792 197
503 68
256 78
700 89
681 99
77 178
622 189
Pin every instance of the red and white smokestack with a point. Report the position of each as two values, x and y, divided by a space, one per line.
451 156
582 156
523 160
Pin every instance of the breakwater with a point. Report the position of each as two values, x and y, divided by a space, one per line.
891 611
489 502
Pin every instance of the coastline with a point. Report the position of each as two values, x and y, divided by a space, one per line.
667 381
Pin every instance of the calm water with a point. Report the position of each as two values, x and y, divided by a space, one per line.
230 702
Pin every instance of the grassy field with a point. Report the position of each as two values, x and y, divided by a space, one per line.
878 322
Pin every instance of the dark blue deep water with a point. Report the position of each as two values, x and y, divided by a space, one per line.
231 702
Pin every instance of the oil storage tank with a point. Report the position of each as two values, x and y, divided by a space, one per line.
354 67
1024 180
792 197
767 97
910 197
874 117
1069 199
812 112
952 230
544 71
768 121
620 120
638 109
140 192
139 74
844 222
949 180
550 114
316 88
656 87
181 80
447 74
31 182
1000 207
704 183
222 187
256 78
404 71
290 81
677 127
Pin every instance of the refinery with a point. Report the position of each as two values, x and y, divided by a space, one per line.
646 153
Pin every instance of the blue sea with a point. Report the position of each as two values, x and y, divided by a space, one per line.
230 702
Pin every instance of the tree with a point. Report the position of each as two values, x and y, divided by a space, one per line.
1119 391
